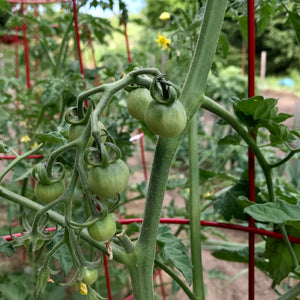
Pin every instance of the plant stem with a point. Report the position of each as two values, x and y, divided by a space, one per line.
195 211
291 294
118 252
141 262
64 40
289 245
218 110
18 159
177 279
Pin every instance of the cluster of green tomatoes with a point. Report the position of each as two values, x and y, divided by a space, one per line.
163 114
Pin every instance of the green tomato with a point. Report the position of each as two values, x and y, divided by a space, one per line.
47 193
89 275
107 181
75 131
137 102
165 120
103 229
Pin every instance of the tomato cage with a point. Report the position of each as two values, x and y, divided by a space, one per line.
251 228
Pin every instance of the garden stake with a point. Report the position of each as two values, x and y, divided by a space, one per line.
251 157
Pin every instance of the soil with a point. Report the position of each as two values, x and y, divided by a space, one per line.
235 287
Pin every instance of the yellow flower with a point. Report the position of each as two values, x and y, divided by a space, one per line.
25 138
208 194
165 16
34 145
163 41
83 288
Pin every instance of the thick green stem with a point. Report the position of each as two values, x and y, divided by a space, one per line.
291 294
141 269
141 262
195 211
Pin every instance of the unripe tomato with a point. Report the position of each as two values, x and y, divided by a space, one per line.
165 120
103 229
107 181
89 275
47 193
137 102
75 131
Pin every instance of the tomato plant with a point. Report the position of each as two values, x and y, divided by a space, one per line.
98 175
103 229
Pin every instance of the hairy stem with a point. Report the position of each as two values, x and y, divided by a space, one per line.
195 211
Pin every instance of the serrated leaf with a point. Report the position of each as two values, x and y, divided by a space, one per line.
64 258
276 212
6 247
175 252
257 107
51 137
230 139
280 261
229 203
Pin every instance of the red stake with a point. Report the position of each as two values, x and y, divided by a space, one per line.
251 157
107 277
26 50
77 38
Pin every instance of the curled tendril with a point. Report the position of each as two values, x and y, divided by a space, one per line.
39 173
164 92
79 114
101 158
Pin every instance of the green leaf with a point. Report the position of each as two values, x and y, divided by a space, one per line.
6 247
229 203
64 258
280 261
257 107
3 147
265 13
21 171
295 20
174 252
243 24
51 137
230 139
216 274
276 212
241 255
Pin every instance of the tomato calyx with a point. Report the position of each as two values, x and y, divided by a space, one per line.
164 92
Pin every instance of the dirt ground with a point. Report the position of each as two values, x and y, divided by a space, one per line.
235 287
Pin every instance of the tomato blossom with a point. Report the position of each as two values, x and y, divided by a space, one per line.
163 41
165 16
